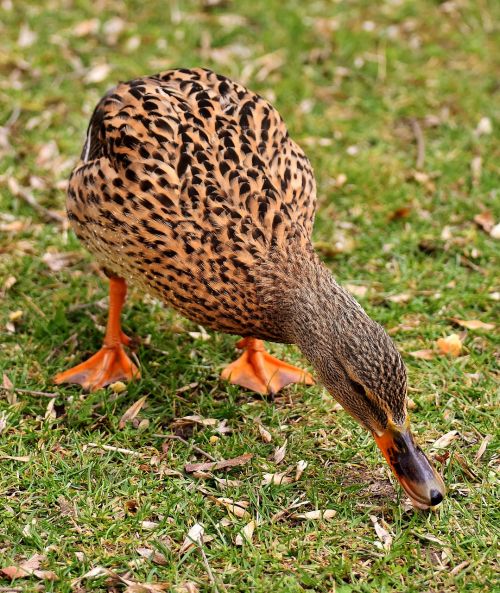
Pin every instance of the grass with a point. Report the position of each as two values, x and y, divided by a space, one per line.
349 78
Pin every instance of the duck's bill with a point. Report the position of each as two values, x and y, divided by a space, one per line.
416 475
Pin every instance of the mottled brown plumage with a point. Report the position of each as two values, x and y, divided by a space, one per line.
190 187
187 182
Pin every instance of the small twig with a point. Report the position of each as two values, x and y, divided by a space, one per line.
177 438
29 198
116 449
210 574
419 139
30 391
101 303
11 589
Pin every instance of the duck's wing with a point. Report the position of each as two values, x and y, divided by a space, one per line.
187 181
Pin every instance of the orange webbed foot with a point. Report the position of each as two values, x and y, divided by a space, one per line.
258 371
108 365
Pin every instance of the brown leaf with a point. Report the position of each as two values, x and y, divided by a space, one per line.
423 354
23 458
58 261
400 213
356 289
153 555
265 435
132 412
482 448
246 534
316 515
404 297
7 383
215 465
193 537
236 507
277 479
301 466
445 440
451 345
384 536
187 587
485 220
280 452
97 73
30 567
473 323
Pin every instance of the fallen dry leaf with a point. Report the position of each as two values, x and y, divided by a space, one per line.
194 537
484 127
97 74
30 567
265 435
237 508
451 345
356 289
27 37
7 383
445 440
485 220
149 525
482 448
153 555
316 515
384 536
58 261
22 458
246 534
422 354
301 466
403 297
88 27
132 412
473 323
277 479
133 587
280 452
215 465
187 587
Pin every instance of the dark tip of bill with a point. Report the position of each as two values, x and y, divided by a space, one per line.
436 497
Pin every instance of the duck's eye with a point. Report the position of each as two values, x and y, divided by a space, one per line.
369 401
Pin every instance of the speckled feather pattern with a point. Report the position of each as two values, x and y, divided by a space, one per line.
187 185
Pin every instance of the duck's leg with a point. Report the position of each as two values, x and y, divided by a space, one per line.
257 370
111 363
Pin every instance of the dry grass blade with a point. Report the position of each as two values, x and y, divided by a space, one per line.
216 465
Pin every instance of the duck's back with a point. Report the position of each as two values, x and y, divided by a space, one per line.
187 182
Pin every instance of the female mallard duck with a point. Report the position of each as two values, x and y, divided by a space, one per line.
190 187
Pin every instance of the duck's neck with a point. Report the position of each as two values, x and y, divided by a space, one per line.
308 307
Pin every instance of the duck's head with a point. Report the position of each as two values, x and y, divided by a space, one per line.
359 364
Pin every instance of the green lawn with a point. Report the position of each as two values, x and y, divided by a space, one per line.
357 82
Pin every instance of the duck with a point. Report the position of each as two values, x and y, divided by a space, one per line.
190 188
